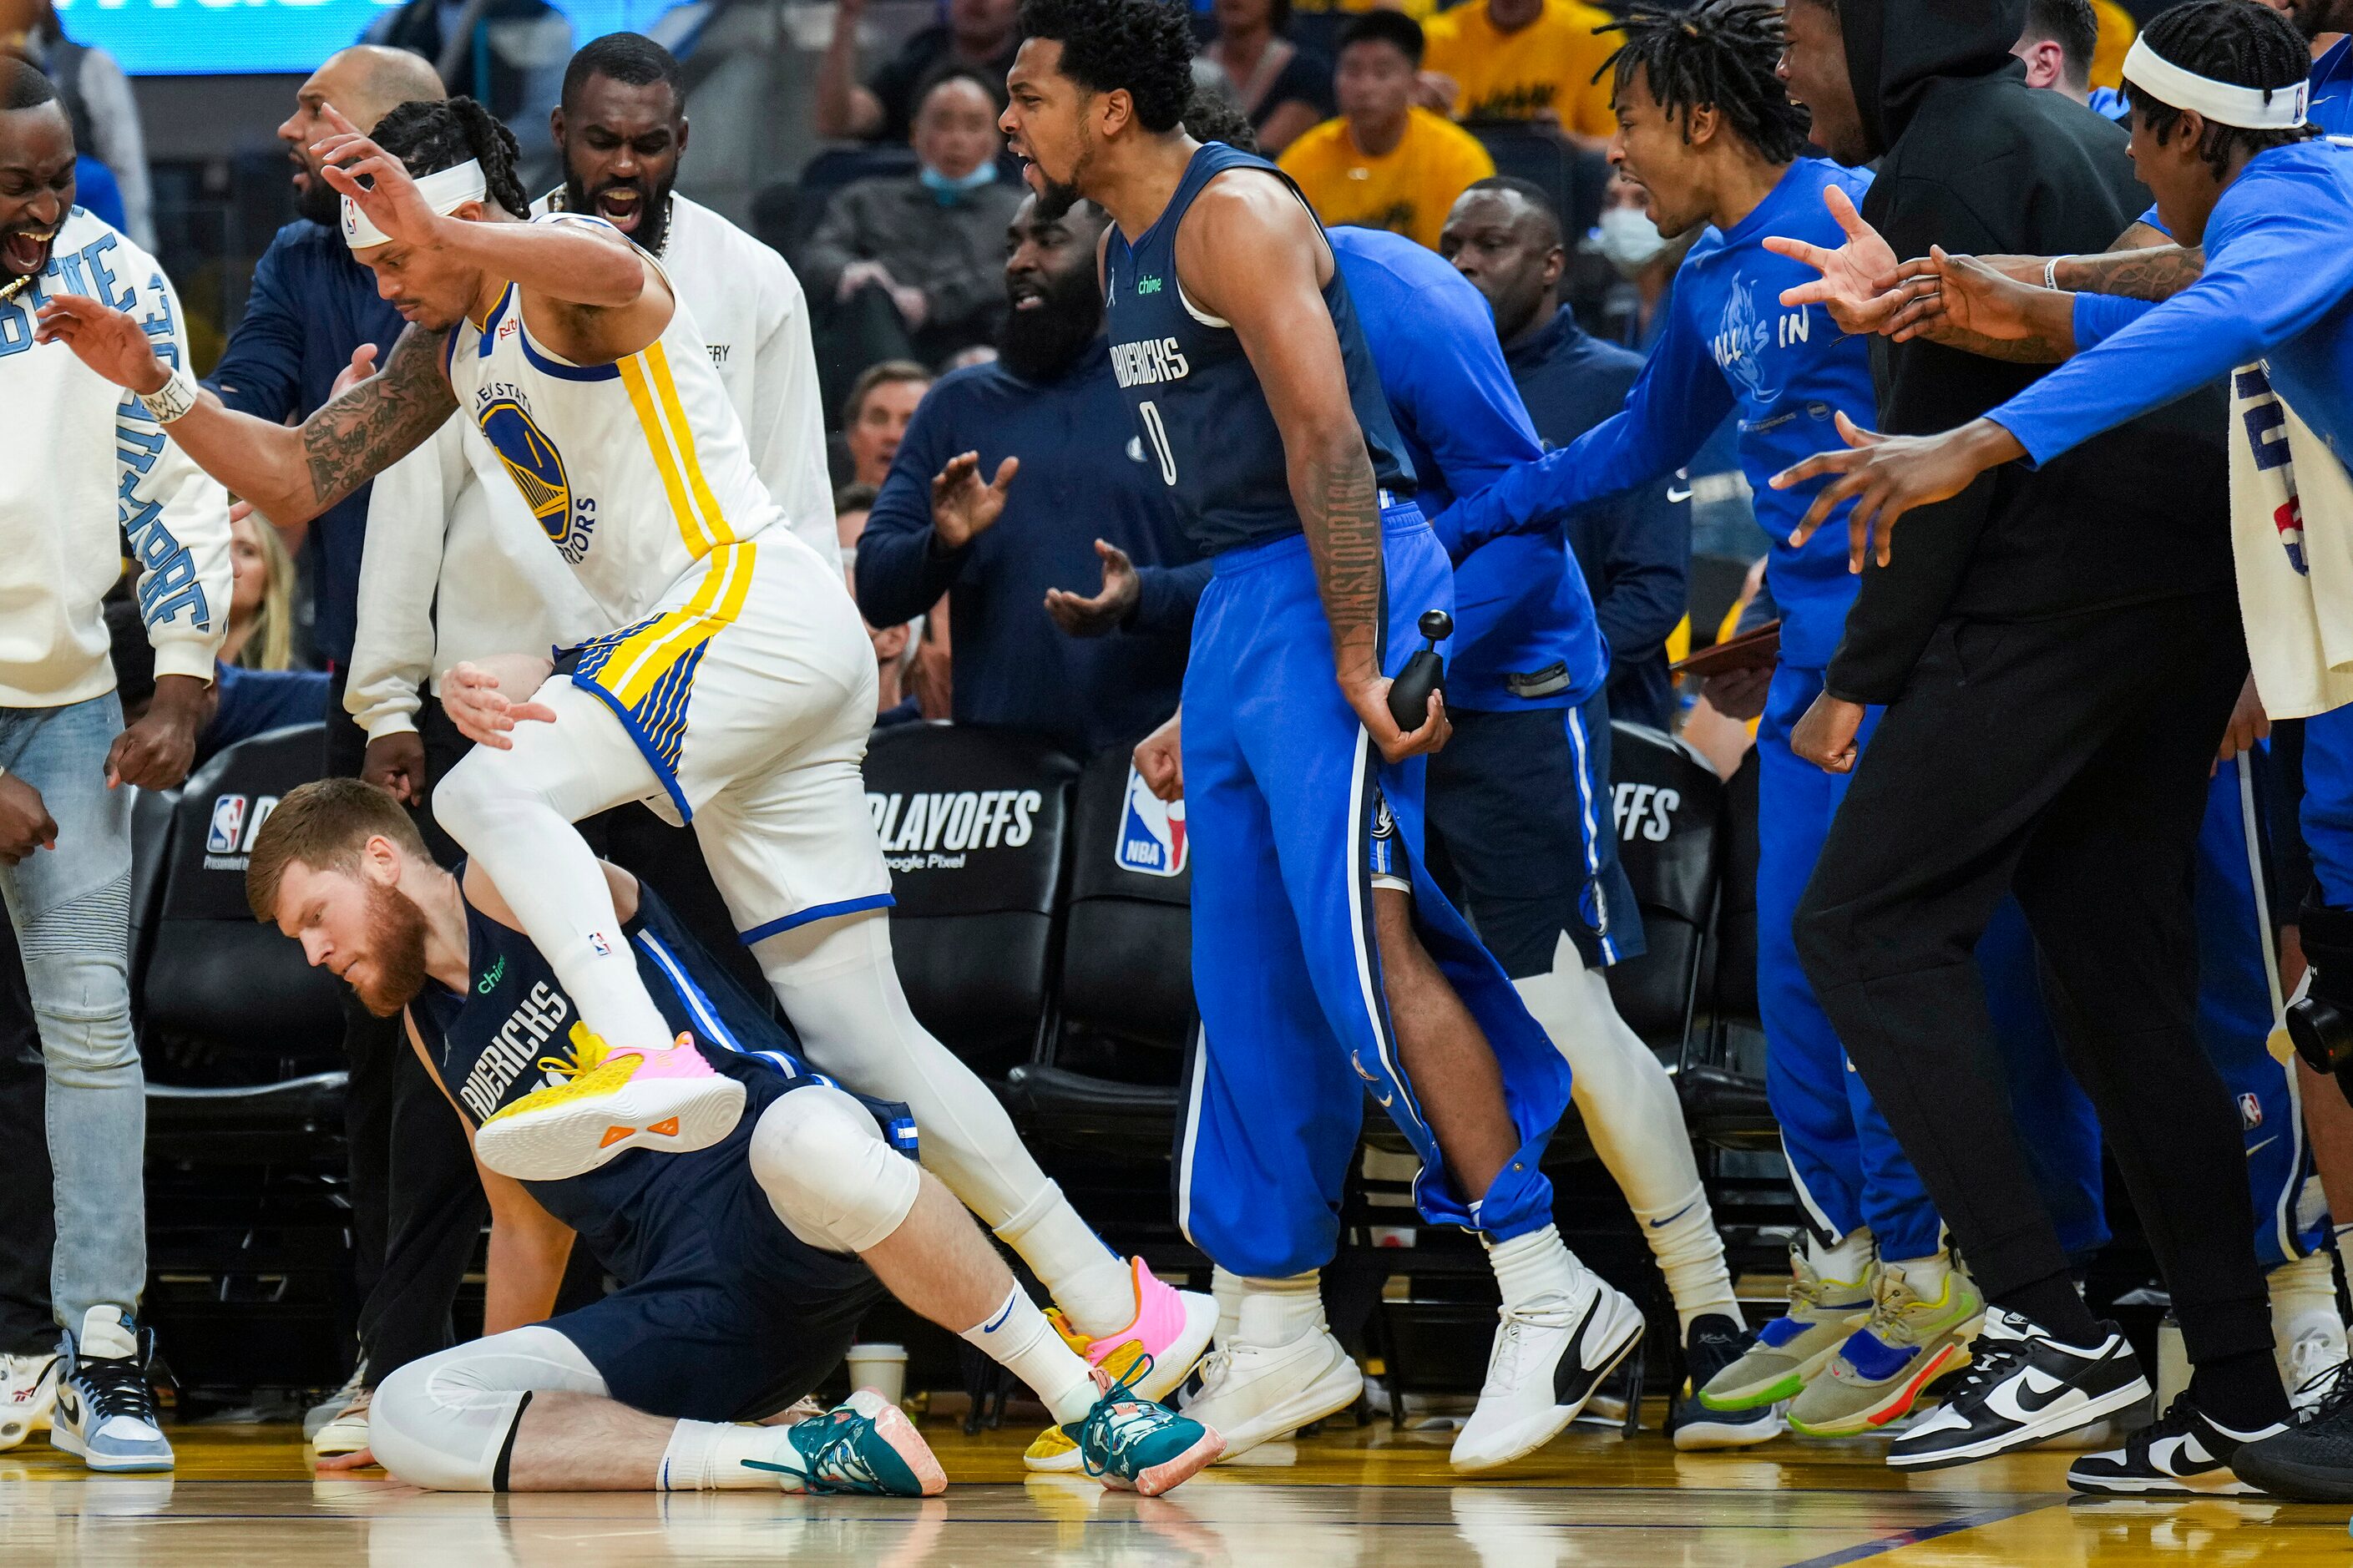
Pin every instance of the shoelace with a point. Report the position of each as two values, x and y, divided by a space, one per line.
2335 1387
587 1054
116 1385
1118 1418
834 1467
1989 1363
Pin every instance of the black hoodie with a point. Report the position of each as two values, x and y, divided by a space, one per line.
1976 161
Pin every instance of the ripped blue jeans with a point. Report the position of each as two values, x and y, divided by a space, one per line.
72 909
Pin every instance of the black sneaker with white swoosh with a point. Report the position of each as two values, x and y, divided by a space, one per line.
2184 1453
2023 1387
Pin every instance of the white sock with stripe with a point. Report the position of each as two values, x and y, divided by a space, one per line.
1018 1338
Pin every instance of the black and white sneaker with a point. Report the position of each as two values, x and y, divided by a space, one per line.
2023 1386
2185 1453
1715 1343
2314 1462
1543 1367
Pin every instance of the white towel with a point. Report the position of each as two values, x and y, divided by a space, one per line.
2291 536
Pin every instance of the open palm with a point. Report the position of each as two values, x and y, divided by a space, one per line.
1850 286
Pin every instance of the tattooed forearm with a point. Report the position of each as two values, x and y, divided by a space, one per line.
378 422
2031 349
2155 273
1340 511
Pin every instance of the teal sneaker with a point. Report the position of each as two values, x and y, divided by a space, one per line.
1136 1444
864 1445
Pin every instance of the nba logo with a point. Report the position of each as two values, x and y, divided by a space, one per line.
2288 517
1151 832
2251 1113
228 825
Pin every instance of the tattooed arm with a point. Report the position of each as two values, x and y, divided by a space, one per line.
290 475
1248 251
2039 326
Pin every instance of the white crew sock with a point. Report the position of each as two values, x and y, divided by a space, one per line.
1536 1272
1847 1262
1689 1253
1268 1313
1227 1290
709 1456
1094 1289
1018 1338
1925 1275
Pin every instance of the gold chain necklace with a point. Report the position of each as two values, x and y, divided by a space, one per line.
10 290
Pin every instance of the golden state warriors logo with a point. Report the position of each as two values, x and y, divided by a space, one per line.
536 466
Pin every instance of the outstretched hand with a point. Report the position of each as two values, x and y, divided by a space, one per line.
103 338
963 509
378 184
1947 296
483 713
1887 475
1856 284
1081 616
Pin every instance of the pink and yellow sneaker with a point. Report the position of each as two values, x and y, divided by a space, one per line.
602 1101
1170 1334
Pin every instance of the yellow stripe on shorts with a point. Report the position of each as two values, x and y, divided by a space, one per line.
641 659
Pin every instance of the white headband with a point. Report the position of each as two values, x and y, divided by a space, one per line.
2226 103
445 192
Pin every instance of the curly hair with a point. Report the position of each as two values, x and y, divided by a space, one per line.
1723 54
1144 48
429 137
2236 41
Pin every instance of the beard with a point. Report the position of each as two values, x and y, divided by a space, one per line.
653 206
397 953
1042 344
317 201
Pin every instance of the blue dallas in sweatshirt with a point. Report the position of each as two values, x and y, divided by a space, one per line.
1728 344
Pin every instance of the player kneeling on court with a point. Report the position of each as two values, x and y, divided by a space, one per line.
745 1266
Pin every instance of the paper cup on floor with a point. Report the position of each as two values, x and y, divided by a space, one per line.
880 1367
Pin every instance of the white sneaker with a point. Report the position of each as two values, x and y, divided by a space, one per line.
1251 1393
315 1419
1543 1367
2308 1336
348 1432
28 1386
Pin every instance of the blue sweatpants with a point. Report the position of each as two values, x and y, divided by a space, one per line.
2326 814
1284 799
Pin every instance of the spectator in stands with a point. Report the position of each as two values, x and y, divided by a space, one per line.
978 35
1643 259
1634 549
1074 500
1523 59
1284 89
261 597
2057 45
507 54
851 503
874 418
1385 163
906 265
104 115
895 645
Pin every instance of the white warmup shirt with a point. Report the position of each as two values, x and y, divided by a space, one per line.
502 586
87 470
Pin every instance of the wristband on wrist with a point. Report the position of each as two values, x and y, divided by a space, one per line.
2051 272
172 399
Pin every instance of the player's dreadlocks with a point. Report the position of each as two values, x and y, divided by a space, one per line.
2236 41
1142 45
429 137
1719 53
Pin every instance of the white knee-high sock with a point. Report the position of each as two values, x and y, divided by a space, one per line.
1636 1121
836 982
1018 1338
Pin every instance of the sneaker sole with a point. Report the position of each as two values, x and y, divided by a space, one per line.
2026 1436
1700 1436
899 1434
1170 1473
329 1443
1788 1385
1334 1392
2222 1484
674 1116
1896 1405
60 1438
1063 1464
1529 1440
2287 1478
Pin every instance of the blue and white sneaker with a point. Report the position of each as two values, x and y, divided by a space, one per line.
1714 1343
105 1411
1134 1444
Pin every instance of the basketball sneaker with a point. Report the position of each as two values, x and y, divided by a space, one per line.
1133 1444
1249 1394
1054 1451
315 1419
601 1102
348 1432
1790 1352
105 1411
864 1445
2021 1387
1715 1343
1166 1339
2312 1462
2185 1453
28 1386
1545 1366
1904 1345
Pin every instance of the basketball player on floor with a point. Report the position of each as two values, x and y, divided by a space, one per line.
1238 348
736 692
745 1265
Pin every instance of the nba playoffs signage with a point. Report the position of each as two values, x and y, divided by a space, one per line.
203 37
937 832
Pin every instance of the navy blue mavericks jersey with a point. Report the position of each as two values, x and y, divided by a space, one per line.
1205 420
515 1030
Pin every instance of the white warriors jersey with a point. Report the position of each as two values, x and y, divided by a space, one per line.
636 471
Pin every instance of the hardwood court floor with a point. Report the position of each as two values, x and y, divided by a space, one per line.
244 1496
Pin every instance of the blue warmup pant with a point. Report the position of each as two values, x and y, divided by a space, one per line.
2326 814
1846 1164
1288 805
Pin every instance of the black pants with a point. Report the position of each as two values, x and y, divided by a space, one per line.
2067 761
28 1216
